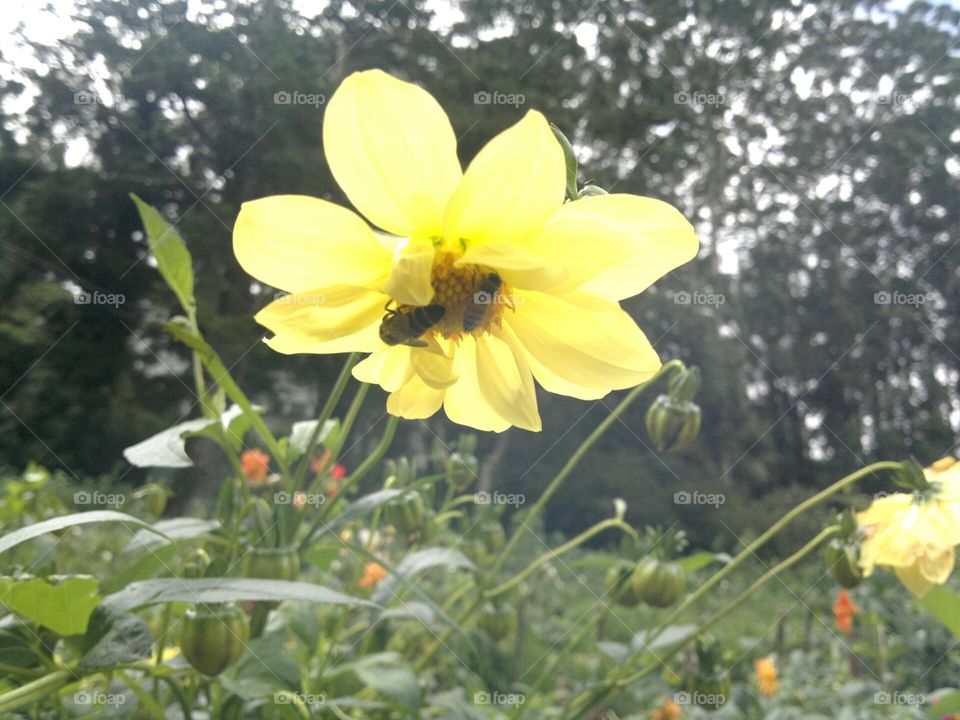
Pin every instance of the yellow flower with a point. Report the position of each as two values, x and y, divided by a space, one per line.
766 672
915 535
527 286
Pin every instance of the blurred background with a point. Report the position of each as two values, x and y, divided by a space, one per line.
813 145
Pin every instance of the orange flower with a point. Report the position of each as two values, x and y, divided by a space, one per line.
843 612
299 500
255 464
668 711
373 573
320 464
766 676
337 472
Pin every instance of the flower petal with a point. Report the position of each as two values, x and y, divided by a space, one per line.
388 366
506 382
518 267
914 580
433 367
391 148
616 246
339 318
297 243
463 401
581 345
409 279
512 187
415 400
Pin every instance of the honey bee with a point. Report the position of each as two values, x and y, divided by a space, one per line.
482 301
403 325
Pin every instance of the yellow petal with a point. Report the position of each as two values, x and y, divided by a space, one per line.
415 400
615 246
391 148
914 580
389 367
463 401
339 318
518 267
297 243
580 345
409 279
512 187
506 382
433 367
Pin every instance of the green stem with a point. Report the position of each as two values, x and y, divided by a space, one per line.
560 550
34 691
578 456
146 699
325 413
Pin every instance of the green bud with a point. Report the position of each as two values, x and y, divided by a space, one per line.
672 424
197 564
910 476
406 513
685 384
591 189
461 470
842 559
570 159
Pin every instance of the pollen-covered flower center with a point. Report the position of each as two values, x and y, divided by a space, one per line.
474 297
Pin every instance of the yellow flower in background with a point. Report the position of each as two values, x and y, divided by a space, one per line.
766 672
915 535
475 282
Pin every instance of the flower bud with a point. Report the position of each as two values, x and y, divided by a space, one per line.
685 384
842 560
405 513
591 189
672 424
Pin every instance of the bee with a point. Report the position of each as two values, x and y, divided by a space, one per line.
482 301
405 325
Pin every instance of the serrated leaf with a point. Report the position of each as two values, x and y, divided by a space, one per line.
218 590
64 605
173 258
418 562
54 524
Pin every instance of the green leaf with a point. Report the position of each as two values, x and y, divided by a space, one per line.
155 563
114 638
168 448
218 590
699 560
267 667
570 159
418 562
173 529
671 635
63 605
944 605
173 258
361 507
384 674
60 523
945 706
302 431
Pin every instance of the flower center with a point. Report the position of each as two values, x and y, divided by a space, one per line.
474 297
